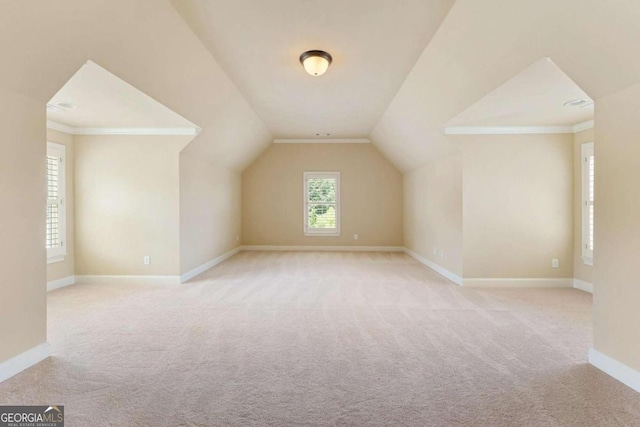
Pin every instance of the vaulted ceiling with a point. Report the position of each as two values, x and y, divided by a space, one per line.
539 96
99 99
402 70
483 44
374 44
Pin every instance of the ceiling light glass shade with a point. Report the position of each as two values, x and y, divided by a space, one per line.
315 62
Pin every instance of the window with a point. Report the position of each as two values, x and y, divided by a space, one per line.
322 203
588 175
56 218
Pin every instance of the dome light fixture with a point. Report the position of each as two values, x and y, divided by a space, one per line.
315 62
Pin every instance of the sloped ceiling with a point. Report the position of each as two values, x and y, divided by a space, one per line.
374 44
483 44
102 100
145 43
537 96
479 46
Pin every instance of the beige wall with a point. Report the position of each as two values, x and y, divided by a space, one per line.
66 268
209 210
127 204
518 205
23 272
147 44
370 193
580 269
210 189
433 212
617 227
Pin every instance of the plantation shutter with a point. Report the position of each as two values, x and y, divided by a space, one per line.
588 200
55 200
591 196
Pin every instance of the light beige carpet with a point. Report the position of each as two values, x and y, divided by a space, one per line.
321 339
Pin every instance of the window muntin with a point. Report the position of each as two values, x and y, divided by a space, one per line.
322 203
588 198
56 218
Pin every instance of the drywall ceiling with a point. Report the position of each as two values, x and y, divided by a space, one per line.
102 100
534 97
483 44
374 44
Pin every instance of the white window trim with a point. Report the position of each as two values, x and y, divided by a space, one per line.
587 150
59 254
327 232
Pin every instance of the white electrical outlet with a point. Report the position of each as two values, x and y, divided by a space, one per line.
435 250
146 260
237 238
441 253
355 237
555 263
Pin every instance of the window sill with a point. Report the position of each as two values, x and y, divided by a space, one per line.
322 234
587 260
57 258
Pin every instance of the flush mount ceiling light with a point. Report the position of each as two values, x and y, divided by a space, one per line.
577 103
61 107
51 107
67 105
315 62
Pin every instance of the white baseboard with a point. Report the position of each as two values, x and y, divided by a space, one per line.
583 286
25 360
324 248
435 267
60 283
518 283
151 280
204 267
617 370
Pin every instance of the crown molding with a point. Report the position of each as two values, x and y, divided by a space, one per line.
321 141
137 131
60 127
583 126
517 130
121 131
506 130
